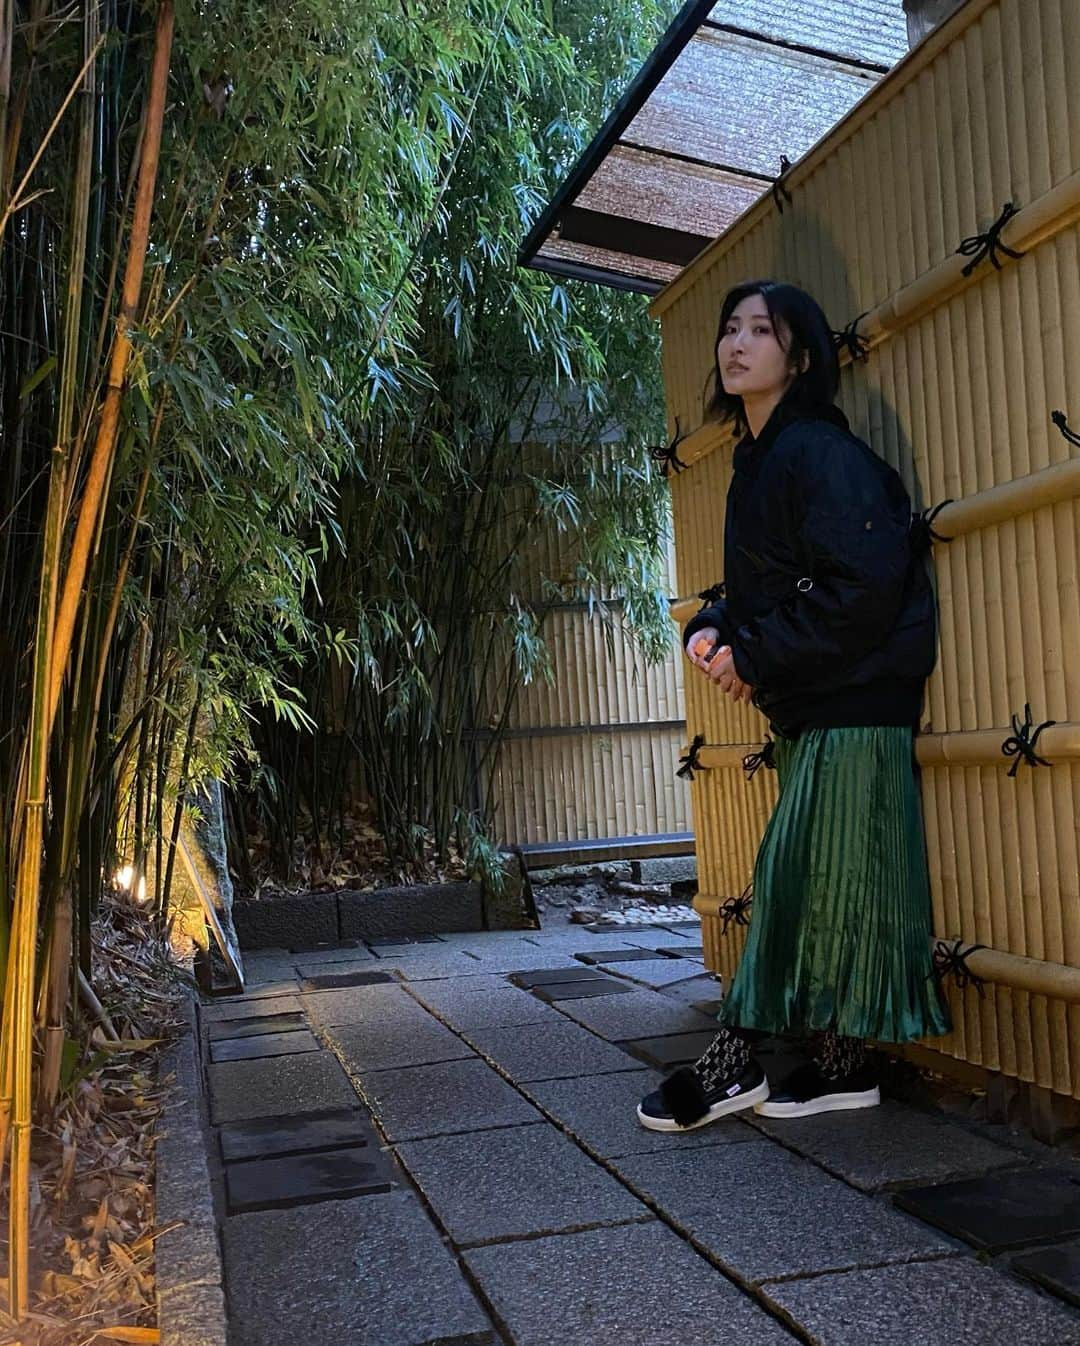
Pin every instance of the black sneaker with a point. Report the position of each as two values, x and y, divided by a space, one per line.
807 1092
683 1102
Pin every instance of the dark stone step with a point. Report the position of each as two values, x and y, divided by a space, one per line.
269 1137
263 1044
245 1028
618 955
300 1180
557 974
332 981
679 1049
1056 1269
580 990
1001 1210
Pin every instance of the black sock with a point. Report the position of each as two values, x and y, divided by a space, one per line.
837 1056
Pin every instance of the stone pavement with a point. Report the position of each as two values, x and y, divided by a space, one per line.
433 1143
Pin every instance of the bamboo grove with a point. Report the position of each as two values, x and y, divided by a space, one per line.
278 417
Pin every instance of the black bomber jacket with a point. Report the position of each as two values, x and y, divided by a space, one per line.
828 606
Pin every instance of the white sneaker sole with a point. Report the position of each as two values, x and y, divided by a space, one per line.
868 1098
751 1099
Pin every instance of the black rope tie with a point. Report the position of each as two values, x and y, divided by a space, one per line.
780 193
668 458
950 960
713 594
690 762
735 909
849 339
980 246
923 532
1058 417
1021 743
754 761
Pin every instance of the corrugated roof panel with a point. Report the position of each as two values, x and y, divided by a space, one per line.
637 185
739 102
863 30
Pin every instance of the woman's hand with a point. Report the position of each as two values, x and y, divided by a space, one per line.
700 645
721 671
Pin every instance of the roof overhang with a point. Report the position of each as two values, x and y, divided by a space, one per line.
698 136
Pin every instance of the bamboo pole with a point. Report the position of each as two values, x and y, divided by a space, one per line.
55 627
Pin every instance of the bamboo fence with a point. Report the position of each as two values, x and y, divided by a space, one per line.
968 355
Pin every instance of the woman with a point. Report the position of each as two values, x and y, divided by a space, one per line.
828 628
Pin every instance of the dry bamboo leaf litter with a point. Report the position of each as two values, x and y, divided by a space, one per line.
92 1215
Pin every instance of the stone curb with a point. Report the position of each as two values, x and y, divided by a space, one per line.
190 1277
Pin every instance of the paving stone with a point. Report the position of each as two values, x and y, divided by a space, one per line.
552 977
1057 1268
667 1052
439 1100
766 1213
602 956
492 1009
581 990
1002 1210
695 951
547 1051
267 1137
525 1180
409 1037
329 948
420 909
266 989
267 1088
251 1007
435 969
268 972
943 1303
468 985
263 1044
641 1014
283 922
303 1179
506 962
657 939
368 1272
656 971
397 941
329 959
334 981
356 1004
632 1285
894 1143
601 1111
243 1028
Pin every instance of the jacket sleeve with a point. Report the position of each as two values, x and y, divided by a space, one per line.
715 614
853 529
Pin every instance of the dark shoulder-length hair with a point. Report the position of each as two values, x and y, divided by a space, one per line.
803 330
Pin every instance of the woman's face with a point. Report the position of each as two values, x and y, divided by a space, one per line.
751 360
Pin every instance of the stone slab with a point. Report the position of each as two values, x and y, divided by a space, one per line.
244 1028
943 1303
659 939
303 1179
423 909
547 1051
268 1137
1057 1269
641 1014
657 972
463 1010
252 1007
1001 1210
507 962
694 951
283 922
276 1085
890 1145
327 948
435 967
336 981
251 1048
525 1180
397 941
604 956
556 976
633 1285
665 869
665 1053
765 1213
368 1272
356 1004
410 1037
580 990
314 960
438 1100
601 1112
261 972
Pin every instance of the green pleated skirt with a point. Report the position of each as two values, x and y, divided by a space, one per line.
841 920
